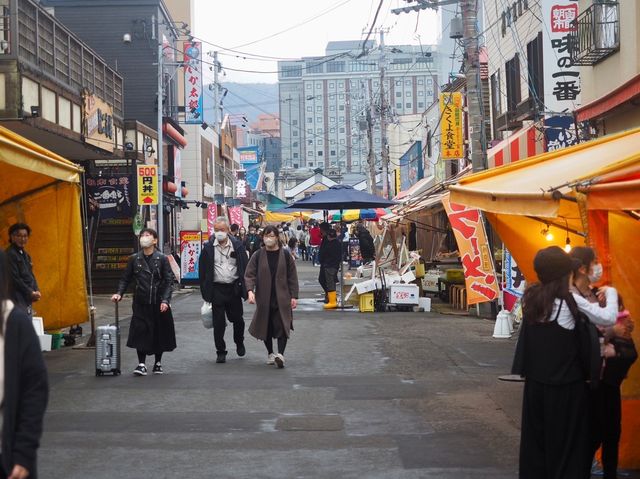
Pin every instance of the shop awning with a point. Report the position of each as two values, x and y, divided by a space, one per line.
416 189
524 143
536 186
42 189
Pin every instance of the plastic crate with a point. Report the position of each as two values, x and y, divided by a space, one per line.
366 303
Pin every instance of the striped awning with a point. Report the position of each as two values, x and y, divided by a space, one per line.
524 143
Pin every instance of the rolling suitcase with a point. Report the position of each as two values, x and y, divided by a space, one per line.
108 348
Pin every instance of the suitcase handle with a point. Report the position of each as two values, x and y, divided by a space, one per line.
117 315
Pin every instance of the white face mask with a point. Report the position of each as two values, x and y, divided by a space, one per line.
146 241
221 236
270 242
596 273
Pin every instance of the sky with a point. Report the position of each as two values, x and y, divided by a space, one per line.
244 25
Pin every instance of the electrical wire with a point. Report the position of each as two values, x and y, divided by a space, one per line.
373 25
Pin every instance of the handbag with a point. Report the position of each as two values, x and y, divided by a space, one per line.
206 314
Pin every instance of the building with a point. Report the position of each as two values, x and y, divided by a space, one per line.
324 100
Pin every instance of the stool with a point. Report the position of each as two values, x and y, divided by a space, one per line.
453 295
459 297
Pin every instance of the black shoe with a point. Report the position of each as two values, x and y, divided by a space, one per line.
241 350
222 358
140 370
157 368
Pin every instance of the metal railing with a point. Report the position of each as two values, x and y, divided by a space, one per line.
596 34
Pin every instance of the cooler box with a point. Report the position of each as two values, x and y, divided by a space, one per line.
366 303
430 281
404 294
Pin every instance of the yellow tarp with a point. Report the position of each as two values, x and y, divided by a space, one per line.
519 205
42 189
273 217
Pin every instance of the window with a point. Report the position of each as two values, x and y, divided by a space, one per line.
512 72
408 94
295 165
319 119
429 82
376 83
315 67
310 131
342 96
408 105
342 118
377 140
310 142
340 85
290 71
319 131
407 82
309 108
309 120
295 144
398 83
333 152
335 67
399 106
341 130
311 163
295 133
399 94
318 85
356 163
332 85
332 119
332 130
420 81
309 86
319 142
342 141
333 142
332 108
319 152
310 153
294 122
420 104
420 93
333 163
534 68
341 108
319 108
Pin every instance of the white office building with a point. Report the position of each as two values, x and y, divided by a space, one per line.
324 101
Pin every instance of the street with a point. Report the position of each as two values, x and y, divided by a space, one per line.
391 395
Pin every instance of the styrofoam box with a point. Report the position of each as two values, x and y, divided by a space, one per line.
409 277
425 304
404 294
38 325
430 282
368 286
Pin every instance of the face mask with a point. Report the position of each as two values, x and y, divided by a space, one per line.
146 241
221 236
596 273
270 242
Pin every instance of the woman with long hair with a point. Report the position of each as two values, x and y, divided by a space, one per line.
272 282
556 363
152 331
24 388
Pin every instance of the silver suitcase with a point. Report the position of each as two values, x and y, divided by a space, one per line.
108 348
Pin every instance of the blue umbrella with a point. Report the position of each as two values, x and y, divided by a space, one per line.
341 197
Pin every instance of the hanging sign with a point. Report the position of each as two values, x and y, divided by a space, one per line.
475 254
109 194
212 214
147 185
235 215
190 248
193 96
561 77
515 283
451 126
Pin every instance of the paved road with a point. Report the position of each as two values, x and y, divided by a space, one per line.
394 395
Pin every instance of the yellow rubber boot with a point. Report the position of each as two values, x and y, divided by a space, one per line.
333 303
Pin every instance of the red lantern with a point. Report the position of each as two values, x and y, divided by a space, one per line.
170 187
185 191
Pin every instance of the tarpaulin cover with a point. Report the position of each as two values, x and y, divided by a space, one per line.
599 194
42 189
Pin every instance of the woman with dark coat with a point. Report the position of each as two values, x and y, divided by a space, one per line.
152 331
23 385
556 363
367 248
272 282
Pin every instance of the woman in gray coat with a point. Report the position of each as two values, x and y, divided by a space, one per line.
272 283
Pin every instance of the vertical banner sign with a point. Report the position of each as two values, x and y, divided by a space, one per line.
515 282
561 77
177 170
190 247
147 185
451 126
235 215
479 271
193 96
212 214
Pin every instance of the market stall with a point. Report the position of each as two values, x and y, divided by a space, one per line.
585 194
43 190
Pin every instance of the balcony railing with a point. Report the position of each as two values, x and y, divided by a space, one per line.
596 34
51 48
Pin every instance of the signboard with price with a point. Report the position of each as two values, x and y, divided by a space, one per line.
147 185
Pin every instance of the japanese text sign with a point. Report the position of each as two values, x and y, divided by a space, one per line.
451 126
235 215
111 195
193 95
475 254
515 282
561 77
97 125
190 248
147 185
212 214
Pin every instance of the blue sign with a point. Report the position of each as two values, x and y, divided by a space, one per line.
560 132
411 170
250 162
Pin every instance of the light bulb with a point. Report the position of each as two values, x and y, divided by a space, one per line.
549 236
567 245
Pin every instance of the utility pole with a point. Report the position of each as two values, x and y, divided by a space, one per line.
383 123
216 89
160 155
472 74
371 158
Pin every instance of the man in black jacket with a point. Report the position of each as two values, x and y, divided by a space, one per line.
330 259
25 287
222 264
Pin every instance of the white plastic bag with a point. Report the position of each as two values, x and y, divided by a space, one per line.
206 313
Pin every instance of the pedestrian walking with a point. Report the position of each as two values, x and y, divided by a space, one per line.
272 282
24 287
24 388
222 265
315 240
303 242
252 241
152 331
365 240
330 258
556 362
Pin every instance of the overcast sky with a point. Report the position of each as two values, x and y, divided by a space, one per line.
242 25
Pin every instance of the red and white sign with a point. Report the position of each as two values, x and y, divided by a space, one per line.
475 254
212 214
235 215
561 77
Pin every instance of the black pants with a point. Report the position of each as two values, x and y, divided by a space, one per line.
328 278
227 302
606 416
555 431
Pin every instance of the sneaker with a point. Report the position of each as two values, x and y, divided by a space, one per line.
221 358
241 350
279 360
271 359
157 368
140 370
